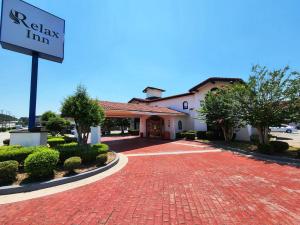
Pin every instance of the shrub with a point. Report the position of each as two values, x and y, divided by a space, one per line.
86 152
265 148
210 135
17 153
279 146
254 138
42 163
68 150
8 171
53 142
178 135
6 141
134 132
101 148
101 159
70 139
201 134
190 135
72 163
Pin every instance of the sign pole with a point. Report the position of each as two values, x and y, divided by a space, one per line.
33 90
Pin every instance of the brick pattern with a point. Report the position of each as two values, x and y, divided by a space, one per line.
219 188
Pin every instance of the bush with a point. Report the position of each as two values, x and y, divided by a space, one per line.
70 139
101 159
190 135
279 146
86 152
72 163
17 153
201 134
101 148
6 141
53 142
8 171
42 163
265 148
210 135
254 138
134 132
179 135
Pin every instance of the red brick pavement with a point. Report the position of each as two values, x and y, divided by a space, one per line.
207 188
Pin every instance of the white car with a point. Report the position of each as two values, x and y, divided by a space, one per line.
283 128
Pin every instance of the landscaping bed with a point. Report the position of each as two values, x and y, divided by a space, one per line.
23 165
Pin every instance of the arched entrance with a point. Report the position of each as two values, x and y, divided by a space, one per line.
155 127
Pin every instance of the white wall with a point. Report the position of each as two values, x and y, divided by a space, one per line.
153 93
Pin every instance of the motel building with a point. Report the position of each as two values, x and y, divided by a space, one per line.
162 117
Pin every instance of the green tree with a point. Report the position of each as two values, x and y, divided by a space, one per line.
56 125
123 123
222 109
269 99
46 116
85 111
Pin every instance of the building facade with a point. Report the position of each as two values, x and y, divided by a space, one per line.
183 111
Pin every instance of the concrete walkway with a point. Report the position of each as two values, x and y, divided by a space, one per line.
203 187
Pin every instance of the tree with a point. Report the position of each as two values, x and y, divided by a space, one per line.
222 109
269 99
85 111
123 123
56 124
46 117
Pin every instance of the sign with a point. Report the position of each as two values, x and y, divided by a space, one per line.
30 30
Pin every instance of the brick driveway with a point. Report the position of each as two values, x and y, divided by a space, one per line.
197 188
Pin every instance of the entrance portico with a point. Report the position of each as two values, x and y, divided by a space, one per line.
155 122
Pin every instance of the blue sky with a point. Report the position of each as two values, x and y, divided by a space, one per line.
118 47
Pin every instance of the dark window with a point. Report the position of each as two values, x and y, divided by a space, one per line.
185 105
214 89
179 125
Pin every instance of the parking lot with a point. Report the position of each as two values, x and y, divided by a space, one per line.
292 138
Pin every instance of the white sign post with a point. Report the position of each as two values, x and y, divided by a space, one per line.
29 30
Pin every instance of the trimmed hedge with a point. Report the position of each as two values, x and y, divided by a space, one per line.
17 153
70 139
8 171
279 146
72 163
53 142
134 132
42 163
201 134
265 148
190 135
86 152
101 159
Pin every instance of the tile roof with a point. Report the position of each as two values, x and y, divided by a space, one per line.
215 79
111 106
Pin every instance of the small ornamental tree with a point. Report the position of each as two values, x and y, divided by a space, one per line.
46 116
85 111
269 99
222 109
56 124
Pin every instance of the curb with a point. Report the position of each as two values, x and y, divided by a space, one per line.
14 189
278 159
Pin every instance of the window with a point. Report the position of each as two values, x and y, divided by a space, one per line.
179 125
214 89
185 105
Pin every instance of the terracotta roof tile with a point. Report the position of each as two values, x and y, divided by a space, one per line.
109 106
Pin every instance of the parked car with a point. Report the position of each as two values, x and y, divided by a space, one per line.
283 128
